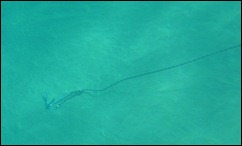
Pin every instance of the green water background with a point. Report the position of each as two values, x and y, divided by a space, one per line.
54 48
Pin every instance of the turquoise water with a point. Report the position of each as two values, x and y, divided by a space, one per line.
50 49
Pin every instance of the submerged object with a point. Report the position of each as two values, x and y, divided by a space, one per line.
54 104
